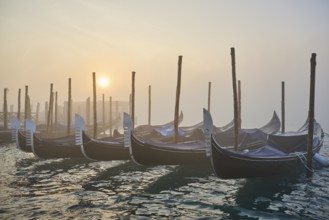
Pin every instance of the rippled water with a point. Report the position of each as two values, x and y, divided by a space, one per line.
31 188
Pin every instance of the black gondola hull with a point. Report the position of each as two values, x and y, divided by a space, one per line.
151 155
56 149
104 150
21 143
230 165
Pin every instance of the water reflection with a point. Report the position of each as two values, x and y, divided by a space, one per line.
31 188
258 193
179 176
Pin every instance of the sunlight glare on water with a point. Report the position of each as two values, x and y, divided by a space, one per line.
77 188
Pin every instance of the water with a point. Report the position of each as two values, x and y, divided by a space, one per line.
31 188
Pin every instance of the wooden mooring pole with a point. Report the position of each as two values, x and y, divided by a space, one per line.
283 117
103 112
56 110
19 105
69 106
130 111
180 58
239 103
29 110
5 109
111 132
311 117
26 104
209 95
95 105
133 98
235 99
50 108
37 115
149 109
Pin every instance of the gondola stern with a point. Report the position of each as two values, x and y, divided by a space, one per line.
127 140
15 126
128 127
82 148
30 129
79 124
208 129
79 121
273 126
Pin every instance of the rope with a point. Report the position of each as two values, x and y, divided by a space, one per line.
302 159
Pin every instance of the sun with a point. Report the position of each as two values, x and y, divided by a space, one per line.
104 81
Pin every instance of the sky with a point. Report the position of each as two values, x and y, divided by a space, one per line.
44 42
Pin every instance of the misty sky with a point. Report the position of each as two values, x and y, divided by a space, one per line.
43 42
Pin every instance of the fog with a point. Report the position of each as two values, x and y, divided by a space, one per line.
45 42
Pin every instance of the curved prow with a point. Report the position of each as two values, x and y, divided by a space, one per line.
79 124
15 126
304 127
208 129
273 126
30 129
128 129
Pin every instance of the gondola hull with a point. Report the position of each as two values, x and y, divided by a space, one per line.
56 148
228 165
189 149
105 150
280 154
176 154
21 143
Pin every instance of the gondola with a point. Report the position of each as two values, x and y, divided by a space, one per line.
282 153
188 150
21 136
51 148
104 149
112 148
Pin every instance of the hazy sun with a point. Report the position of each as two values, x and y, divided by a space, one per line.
104 81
